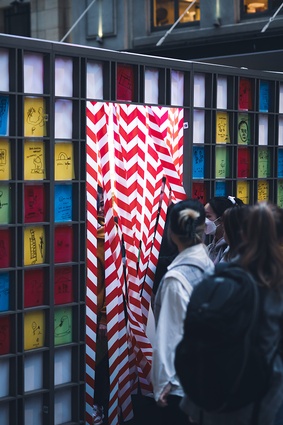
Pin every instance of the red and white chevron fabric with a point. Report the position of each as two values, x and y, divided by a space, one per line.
91 260
129 149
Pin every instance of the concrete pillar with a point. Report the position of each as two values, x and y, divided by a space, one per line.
50 19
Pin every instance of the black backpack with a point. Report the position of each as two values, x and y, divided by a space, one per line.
219 362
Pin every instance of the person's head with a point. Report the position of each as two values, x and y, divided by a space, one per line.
214 210
186 224
261 251
234 224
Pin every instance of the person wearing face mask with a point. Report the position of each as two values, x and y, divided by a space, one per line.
214 210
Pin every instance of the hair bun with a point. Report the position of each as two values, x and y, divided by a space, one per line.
232 199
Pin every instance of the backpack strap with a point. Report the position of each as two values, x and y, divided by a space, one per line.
179 275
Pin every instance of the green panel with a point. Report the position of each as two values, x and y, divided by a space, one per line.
222 166
63 326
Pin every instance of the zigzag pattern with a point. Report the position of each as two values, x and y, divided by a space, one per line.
147 144
91 260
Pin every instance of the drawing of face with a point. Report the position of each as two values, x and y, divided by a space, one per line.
243 131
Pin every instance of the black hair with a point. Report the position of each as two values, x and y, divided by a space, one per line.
241 123
221 203
187 220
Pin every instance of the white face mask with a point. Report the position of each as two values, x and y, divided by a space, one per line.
210 227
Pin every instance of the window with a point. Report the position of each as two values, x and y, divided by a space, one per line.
166 12
252 7
17 19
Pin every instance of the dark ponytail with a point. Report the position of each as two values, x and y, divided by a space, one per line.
187 220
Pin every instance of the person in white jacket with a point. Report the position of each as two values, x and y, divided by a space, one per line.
186 227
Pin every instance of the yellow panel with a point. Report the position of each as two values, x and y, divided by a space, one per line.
34 245
5 160
34 330
34 160
262 191
34 117
243 191
64 161
222 128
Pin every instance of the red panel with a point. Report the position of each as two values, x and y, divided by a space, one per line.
5 248
125 82
63 244
5 332
199 192
244 162
33 290
34 204
63 289
245 94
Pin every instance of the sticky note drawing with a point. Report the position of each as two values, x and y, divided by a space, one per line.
32 244
63 328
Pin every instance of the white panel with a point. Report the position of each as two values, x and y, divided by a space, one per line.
63 119
63 408
63 366
151 86
33 372
33 411
281 99
280 132
4 70
177 88
198 129
262 129
33 73
199 90
221 93
63 77
94 84
4 378
4 414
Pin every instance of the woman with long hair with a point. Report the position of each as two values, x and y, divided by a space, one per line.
234 220
214 210
260 254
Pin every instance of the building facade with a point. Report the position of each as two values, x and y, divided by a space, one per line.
233 32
